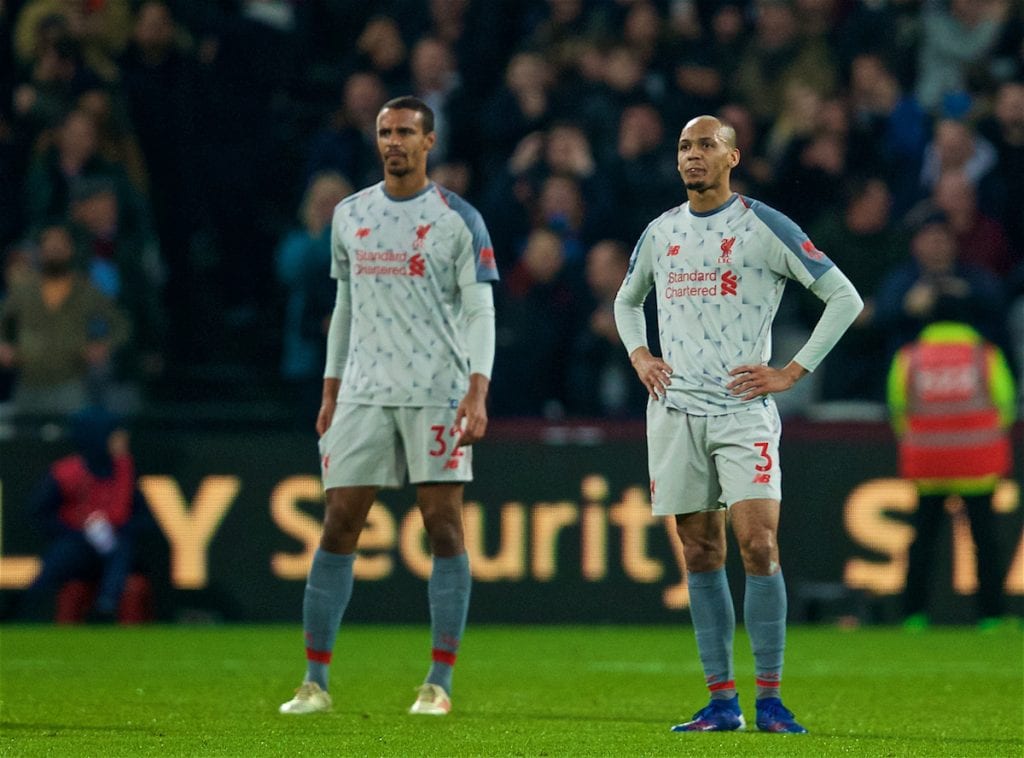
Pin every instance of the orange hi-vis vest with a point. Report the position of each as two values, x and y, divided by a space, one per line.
953 426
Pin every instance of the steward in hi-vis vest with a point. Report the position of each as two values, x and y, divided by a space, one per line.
951 396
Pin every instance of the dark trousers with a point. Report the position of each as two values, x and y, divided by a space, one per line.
70 556
928 520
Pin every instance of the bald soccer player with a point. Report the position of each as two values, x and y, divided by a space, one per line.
718 264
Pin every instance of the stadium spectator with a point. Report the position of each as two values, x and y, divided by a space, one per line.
718 264
816 164
981 240
347 141
49 86
956 146
1005 130
59 333
550 180
702 65
124 264
381 49
643 175
951 398
754 173
115 138
100 29
776 56
865 243
93 514
600 377
934 286
537 309
162 88
435 81
410 348
892 122
303 269
520 107
954 36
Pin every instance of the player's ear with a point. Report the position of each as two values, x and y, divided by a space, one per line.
734 157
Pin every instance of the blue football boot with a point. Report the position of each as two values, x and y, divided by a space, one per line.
716 716
773 716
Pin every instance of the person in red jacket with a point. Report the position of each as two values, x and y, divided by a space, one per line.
951 398
92 509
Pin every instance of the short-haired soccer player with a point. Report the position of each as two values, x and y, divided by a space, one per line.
410 350
718 264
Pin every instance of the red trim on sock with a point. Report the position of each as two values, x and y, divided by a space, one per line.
318 656
442 656
730 685
776 683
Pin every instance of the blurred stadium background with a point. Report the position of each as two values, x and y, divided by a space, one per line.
191 148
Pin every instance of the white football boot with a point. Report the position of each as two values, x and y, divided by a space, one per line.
432 701
309 698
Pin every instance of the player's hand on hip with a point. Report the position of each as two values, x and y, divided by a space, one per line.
753 381
654 373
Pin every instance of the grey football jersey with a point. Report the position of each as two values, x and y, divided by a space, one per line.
718 278
405 262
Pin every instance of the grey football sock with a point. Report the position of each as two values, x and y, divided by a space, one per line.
448 591
328 590
764 614
714 624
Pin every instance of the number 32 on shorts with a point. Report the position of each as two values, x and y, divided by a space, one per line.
761 475
442 446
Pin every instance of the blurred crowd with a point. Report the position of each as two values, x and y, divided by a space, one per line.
169 169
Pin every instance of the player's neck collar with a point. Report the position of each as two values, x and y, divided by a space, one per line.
402 199
732 199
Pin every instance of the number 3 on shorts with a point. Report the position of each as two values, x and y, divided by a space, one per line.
767 465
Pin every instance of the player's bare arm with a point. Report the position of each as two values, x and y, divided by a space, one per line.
753 381
328 402
655 374
471 415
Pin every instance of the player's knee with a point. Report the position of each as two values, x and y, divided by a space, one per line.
760 553
702 555
341 526
445 537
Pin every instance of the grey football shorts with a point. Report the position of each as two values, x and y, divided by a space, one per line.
700 463
372 445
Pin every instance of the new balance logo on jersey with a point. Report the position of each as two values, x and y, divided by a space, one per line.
726 256
417 265
729 282
363 232
673 249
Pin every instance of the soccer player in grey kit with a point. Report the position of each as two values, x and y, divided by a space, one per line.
718 264
409 354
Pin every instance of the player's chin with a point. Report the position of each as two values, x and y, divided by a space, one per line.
696 186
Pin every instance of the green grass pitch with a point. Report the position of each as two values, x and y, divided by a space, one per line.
519 691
